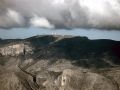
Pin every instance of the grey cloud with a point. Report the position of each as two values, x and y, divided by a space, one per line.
65 14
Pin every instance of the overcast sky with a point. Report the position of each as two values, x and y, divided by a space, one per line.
29 17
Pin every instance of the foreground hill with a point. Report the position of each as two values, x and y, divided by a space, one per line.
59 63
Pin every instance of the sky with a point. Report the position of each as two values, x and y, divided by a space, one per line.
21 33
92 18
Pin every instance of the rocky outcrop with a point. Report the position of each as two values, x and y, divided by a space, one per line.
83 80
15 50
59 63
68 79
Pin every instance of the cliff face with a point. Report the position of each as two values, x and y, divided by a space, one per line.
59 63
68 79
15 50
84 80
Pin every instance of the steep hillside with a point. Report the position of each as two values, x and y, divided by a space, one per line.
59 63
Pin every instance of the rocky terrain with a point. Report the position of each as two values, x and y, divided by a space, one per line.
59 63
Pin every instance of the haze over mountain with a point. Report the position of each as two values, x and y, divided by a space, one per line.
59 63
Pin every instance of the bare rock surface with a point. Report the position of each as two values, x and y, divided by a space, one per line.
15 50
59 63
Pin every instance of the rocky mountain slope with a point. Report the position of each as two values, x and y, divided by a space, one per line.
59 63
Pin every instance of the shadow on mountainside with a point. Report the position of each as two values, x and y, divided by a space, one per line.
79 50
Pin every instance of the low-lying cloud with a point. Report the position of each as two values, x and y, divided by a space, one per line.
99 14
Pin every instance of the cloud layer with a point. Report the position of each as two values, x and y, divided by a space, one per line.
100 14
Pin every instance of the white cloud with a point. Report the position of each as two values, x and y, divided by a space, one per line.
94 6
58 2
15 16
40 22
11 18
103 14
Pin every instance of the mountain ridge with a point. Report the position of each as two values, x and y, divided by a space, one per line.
59 63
